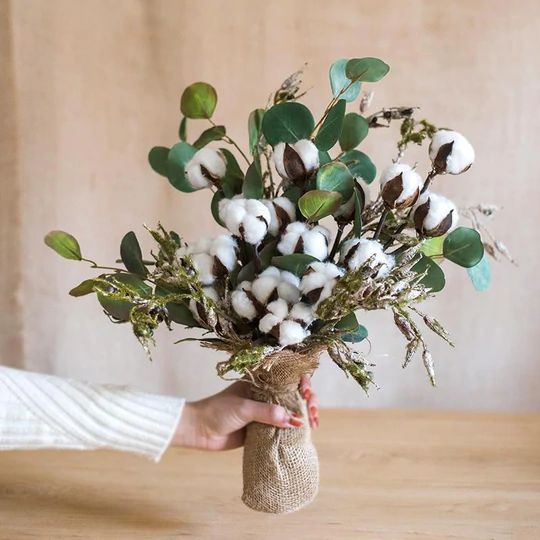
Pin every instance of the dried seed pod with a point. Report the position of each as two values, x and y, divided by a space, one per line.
205 168
434 215
404 326
297 161
400 186
450 152
428 364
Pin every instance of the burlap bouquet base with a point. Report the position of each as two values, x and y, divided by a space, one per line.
281 467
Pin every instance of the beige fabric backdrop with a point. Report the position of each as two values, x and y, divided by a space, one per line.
89 86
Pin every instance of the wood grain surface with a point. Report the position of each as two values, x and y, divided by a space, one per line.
386 475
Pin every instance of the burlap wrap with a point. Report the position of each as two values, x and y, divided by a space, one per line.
281 467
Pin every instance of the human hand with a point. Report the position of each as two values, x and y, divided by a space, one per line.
218 422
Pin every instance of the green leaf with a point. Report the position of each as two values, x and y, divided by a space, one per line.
357 335
131 255
120 309
253 184
348 323
182 129
366 69
254 129
433 247
287 122
83 288
360 165
317 204
214 206
64 244
264 258
335 176
295 263
355 130
330 130
293 193
181 314
324 158
157 157
339 81
463 246
215 133
358 209
480 274
434 279
179 156
233 180
199 100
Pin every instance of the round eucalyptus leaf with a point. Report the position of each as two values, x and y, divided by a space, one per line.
355 130
366 69
287 122
348 323
120 309
178 157
433 247
356 336
64 244
335 176
131 255
181 314
198 100
233 180
317 204
340 81
434 278
293 193
360 165
330 130
215 133
480 274
464 247
324 158
157 157
296 263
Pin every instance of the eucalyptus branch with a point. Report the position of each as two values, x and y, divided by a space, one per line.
228 140
93 264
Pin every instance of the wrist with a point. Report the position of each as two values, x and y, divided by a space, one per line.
185 434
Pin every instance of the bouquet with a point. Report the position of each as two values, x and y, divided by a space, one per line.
278 288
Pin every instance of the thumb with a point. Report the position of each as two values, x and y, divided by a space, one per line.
268 413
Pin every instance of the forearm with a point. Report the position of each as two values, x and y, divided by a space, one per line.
41 411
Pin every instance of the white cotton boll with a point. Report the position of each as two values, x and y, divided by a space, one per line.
296 161
277 311
282 212
224 248
204 264
254 230
434 215
316 242
299 237
247 218
264 286
357 251
291 333
289 287
302 313
242 303
309 154
319 281
205 166
279 308
400 186
450 152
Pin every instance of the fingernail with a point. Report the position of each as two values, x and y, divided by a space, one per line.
313 410
307 393
295 422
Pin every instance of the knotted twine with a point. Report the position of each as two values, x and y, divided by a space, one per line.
280 466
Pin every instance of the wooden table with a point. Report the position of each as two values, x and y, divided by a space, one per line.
392 475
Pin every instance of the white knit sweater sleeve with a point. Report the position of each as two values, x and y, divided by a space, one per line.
43 411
